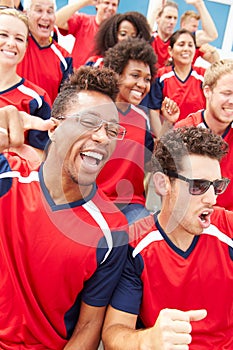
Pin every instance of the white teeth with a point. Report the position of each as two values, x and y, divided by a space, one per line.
137 93
95 155
9 53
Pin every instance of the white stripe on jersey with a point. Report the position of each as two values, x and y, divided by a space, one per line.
59 54
94 211
214 231
143 114
153 236
166 75
28 91
197 76
33 176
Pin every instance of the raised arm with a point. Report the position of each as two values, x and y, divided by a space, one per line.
208 32
171 329
64 13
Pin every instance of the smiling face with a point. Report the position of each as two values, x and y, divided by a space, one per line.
134 83
13 40
81 152
183 50
220 103
105 9
190 214
41 18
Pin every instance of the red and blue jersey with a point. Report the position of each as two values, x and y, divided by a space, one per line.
52 257
28 97
197 119
46 67
122 177
188 94
95 61
83 27
159 275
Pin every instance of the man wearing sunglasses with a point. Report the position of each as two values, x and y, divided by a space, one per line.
179 273
62 242
218 117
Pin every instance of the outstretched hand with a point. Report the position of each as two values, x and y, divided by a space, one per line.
13 123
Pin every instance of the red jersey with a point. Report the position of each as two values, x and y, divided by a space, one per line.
187 94
122 178
159 275
52 257
161 49
47 67
30 98
83 27
197 119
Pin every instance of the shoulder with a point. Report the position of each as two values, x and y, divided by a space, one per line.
193 119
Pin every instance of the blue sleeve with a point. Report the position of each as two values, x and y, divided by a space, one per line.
128 294
154 98
5 183
99 288
38 138
149 142
68 71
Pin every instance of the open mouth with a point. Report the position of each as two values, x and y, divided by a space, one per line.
205 218
43 27
91 158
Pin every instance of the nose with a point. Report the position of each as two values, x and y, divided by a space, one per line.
100 135
209 197
11 40
141 82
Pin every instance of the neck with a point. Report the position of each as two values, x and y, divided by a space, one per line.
216 126
182 71
178 236
43 42
9 78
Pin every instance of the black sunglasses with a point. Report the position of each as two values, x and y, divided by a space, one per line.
200 186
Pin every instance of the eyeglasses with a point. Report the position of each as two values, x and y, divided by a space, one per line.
200 186
92 122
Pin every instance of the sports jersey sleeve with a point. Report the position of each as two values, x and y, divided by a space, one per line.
128 294
99 288
66 71
37 138
154 98
5 183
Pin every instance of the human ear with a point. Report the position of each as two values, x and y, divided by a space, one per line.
161 183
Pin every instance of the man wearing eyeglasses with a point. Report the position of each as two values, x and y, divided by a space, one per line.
83 26
179 273
62 242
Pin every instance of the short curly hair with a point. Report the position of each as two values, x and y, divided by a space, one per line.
106 36
174 145
87 78
135 49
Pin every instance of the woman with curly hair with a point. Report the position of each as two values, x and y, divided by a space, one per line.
122 179
117 28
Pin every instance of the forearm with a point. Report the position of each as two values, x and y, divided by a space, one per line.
86 335
209 31
63 14
120 337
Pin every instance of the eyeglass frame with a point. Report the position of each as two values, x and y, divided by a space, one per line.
103 122
190 181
